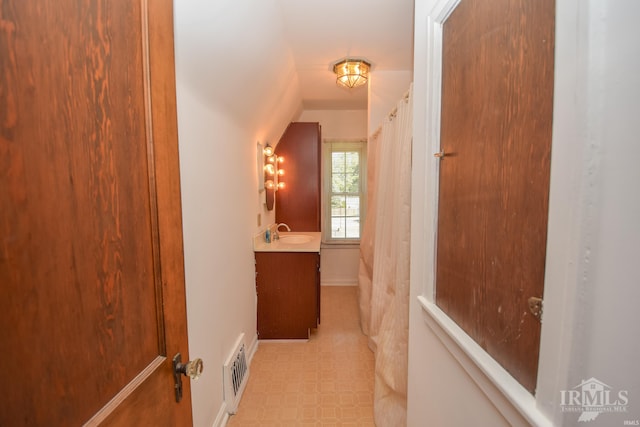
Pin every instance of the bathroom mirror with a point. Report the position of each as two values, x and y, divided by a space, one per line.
270 193
260 166
266 174
271 173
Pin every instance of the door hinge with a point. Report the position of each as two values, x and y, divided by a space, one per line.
535 307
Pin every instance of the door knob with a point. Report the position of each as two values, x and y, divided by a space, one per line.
192 369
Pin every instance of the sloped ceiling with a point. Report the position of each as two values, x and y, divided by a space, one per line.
256 59
321 32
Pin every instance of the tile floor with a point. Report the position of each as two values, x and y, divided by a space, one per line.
327 381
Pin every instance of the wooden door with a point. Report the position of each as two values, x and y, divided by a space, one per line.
496 120
92 303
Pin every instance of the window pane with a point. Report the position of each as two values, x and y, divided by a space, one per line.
345 176
338 227
338 161
353 227
352 184
352 206
352 160
338 183
338 205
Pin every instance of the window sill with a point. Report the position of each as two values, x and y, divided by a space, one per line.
351 244
512 400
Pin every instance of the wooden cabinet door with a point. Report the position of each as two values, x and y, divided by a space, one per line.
92 301
287 288
298 204
497 102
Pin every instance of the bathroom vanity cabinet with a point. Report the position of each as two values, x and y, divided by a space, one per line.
288 290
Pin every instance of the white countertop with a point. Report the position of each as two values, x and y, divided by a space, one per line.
259 245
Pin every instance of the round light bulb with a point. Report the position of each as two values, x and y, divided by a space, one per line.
270 169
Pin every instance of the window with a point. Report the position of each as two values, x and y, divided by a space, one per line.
344 190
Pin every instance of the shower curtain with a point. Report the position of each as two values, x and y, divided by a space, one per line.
384 261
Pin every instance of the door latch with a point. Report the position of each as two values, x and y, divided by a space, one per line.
192 369
535 307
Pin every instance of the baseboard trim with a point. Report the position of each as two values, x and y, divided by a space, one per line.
222 418
253 347
339 283
223 415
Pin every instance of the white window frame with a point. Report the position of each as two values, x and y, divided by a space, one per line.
328 147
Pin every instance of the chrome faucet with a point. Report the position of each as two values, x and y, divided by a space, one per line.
281 224
276 233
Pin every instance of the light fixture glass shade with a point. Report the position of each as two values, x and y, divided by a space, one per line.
271 173
352 72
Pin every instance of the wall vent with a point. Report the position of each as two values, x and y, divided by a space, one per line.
236 375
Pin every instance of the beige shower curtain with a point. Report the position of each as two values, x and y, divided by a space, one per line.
384 261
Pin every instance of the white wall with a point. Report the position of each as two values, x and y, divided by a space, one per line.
336 124
386 88
591 284
339 265
223 111
594 207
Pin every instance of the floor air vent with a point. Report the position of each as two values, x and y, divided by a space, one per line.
236 374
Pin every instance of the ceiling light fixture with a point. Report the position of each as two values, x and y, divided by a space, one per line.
352 72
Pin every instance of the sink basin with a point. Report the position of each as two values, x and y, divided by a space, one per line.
296 238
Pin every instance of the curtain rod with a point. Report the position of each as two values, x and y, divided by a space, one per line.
392 115
330 140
